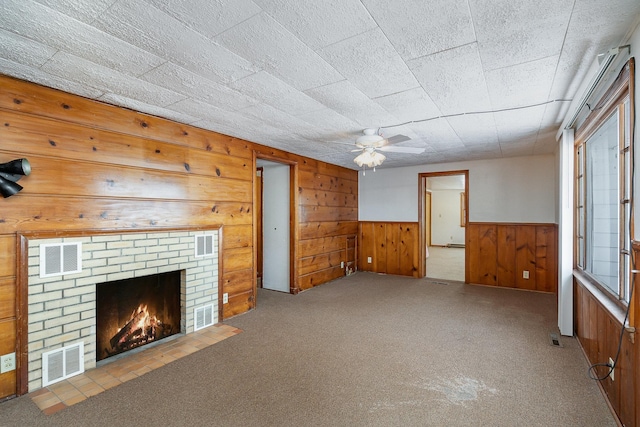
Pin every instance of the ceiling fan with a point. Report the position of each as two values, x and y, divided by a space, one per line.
370 143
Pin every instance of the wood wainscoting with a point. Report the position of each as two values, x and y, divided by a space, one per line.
499 253
597 325
392 247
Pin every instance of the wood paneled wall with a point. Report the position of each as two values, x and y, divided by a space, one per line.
392 246
99 167
328 224
498 253
598 332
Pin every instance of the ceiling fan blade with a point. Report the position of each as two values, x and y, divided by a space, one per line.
407 150
356 150
395 139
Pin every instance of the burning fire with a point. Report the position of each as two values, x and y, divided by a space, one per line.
141 328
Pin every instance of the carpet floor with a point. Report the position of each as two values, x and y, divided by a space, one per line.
365 350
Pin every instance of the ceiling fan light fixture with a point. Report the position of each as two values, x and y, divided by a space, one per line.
370 138
369 158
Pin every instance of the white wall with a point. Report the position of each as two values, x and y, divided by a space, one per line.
275 226
518 189
445 217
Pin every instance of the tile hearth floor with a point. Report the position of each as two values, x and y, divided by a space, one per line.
68 392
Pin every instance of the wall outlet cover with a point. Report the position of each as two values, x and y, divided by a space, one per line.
7 363
225 298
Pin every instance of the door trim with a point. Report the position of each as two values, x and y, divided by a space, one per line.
293 221
422 177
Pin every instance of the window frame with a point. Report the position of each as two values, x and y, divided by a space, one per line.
618 99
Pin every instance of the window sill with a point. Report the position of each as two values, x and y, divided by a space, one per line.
618 312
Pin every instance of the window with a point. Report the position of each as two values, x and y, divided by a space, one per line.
603 190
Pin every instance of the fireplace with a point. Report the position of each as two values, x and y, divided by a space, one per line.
63 307
134 312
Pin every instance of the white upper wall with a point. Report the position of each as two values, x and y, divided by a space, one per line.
518 189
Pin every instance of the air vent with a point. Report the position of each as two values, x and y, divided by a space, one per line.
60 258
204 245
203 317
554 340
62 363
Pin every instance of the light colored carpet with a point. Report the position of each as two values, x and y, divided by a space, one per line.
365 350
445 263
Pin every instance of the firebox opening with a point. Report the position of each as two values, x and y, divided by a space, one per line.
135 312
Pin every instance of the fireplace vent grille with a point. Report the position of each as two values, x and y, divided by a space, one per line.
62 363
60 258
204 245
203 317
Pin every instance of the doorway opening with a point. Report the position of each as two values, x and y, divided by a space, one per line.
443 218
275 225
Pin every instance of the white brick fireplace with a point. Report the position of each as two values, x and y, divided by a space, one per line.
62 309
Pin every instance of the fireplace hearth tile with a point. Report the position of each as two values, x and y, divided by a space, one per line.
92 382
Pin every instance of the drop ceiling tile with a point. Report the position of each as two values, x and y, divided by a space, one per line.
178 79
474 129
155 31
517 149
268 45
204 111
320 23
208 17
521 85
23 50
271 90
437 134
276 118
520 124
38 76
462 91
512 32
154 110
37 22
409 105
350 102
337 126
418 28
82 10
371 63
105 79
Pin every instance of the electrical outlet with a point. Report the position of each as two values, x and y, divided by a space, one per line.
525 274
368 260
341 264
611 375
7 363
225 298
